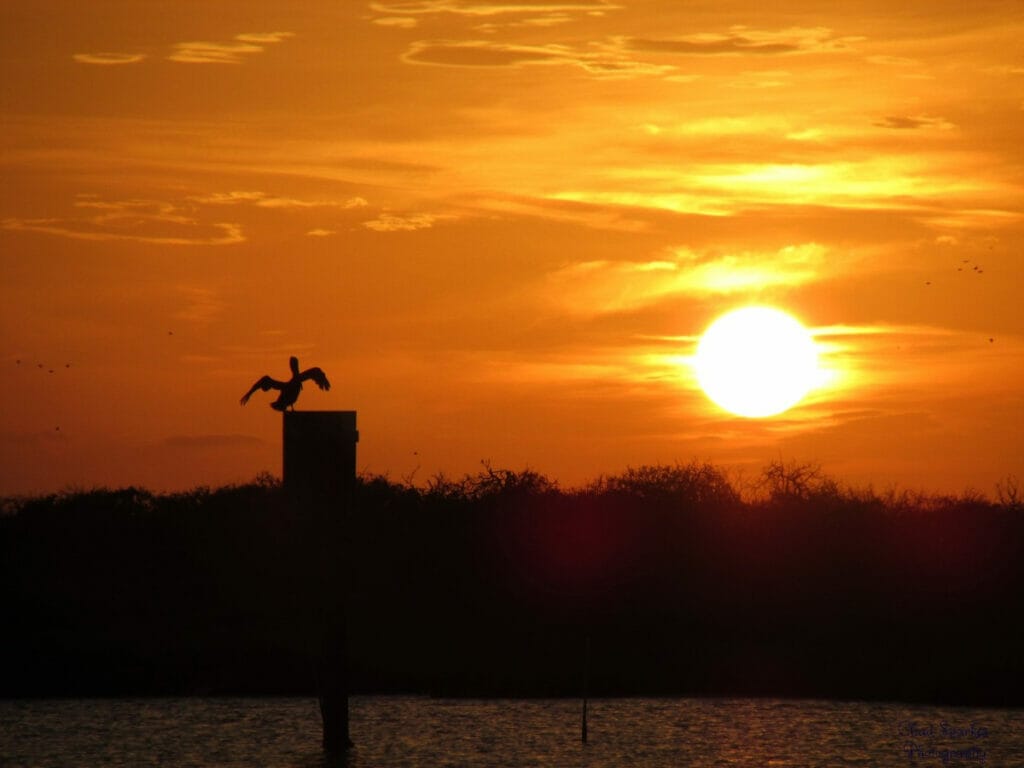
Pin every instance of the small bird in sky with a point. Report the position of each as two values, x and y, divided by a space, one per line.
289 389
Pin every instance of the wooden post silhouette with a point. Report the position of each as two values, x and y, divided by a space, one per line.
319 477
586 686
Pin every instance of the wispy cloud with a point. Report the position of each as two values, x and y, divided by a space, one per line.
490 17
599 287
483 53
626 56
389 222
742 40
906 122
264 200
108 59
487 8
398 22
202 305
231 52
140 221
548 20
893 61
917 356
605 61
264 37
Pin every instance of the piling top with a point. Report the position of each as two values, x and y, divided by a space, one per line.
319 451
329 419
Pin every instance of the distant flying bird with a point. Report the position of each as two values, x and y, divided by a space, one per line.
289 389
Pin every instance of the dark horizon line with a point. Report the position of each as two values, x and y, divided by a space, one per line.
1009 490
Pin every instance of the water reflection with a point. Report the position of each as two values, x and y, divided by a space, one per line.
412 731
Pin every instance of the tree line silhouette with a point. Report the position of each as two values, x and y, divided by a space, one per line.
490 584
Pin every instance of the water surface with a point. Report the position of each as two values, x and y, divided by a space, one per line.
412 731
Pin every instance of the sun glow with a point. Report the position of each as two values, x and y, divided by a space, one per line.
756 362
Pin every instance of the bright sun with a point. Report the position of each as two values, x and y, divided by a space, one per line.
756 361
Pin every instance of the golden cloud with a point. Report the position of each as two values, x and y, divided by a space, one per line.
233 52
741 40
486 8
908 122
264 200
399 22
264 37
389 222
600 287
605 61
140 221
108 59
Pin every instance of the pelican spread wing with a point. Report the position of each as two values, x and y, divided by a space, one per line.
266 383
289 389
316 375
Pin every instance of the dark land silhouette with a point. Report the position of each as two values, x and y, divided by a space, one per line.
490 584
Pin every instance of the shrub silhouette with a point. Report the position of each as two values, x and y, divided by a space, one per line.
488 583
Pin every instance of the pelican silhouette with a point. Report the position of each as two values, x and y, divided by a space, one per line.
289 389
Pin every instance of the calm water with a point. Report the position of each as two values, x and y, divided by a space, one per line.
410 731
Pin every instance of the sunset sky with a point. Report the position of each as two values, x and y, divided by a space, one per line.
501 228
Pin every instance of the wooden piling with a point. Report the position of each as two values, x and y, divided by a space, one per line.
319 472
586 691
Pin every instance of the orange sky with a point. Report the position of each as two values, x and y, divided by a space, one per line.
500 228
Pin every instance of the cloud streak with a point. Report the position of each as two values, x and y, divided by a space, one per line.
625 56
741 41
602 287
490 17
233 52
108 59
485 8
904 122
140 221
603 61
389 222
264 200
